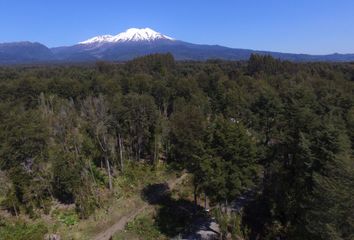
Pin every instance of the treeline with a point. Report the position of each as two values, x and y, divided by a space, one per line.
280 129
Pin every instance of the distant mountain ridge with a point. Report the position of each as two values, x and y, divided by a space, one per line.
24 52
136 42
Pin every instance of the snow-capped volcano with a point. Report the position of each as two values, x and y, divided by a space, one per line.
136 42
132 34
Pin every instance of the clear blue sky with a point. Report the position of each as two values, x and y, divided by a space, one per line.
299 26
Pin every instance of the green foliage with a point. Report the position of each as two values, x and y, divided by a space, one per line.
136 176
282 130
68 218
65 177
145 228
264 64
228 166
154 63
187 133
24 139
330 214
230 223
23 231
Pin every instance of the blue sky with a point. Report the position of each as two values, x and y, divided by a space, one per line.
298 26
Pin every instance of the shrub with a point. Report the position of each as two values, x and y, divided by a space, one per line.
23 231
68 218
144 227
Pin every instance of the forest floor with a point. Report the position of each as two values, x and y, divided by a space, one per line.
120 224
134 194
174 216
123 204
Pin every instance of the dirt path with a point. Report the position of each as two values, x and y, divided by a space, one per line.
118 226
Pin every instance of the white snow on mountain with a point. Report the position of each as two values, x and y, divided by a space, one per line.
132 34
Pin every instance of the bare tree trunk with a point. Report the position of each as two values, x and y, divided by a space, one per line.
121 152
156 151
91 171
139 149
109 172
226 206
195 196
105 150
76 150
165 105
13 204
205 201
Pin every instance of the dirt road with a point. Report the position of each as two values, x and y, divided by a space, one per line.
118 226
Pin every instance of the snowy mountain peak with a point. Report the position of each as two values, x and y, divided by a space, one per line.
130 35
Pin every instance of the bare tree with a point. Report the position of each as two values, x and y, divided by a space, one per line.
95 111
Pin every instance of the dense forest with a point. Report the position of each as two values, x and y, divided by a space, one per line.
282 130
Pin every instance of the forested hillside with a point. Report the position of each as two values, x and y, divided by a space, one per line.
282 130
